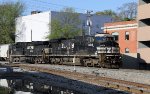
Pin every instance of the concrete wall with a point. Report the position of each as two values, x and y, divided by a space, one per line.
144 55
143 31
143 11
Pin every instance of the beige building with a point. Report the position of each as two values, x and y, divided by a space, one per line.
143 35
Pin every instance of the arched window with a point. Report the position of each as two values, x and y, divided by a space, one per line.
116 36
126 50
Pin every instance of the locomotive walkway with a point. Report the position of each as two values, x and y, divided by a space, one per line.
133 87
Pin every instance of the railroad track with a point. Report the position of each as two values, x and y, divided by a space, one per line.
136 88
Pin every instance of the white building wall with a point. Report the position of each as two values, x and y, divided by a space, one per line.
37 23
3 50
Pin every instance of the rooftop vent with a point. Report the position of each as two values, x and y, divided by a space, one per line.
35 12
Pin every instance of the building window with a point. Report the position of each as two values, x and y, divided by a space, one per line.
116 36
126 50
127 36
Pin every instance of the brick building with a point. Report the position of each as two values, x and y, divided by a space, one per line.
125 33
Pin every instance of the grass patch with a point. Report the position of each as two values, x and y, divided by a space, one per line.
4 90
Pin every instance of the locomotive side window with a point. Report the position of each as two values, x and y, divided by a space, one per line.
30 47
109 38
99 38
90 39
63 46
72 45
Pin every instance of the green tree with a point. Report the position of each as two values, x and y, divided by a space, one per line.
106 12
109 12
8 13
65 24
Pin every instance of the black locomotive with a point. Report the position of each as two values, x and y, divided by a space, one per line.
100 51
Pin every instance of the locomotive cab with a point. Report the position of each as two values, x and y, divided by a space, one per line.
108 51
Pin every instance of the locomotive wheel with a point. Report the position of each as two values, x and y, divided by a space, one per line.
81 62
56 60
40 61
87 62
49 61
101 64
84 63
95 62
11 60
52 60
16 59
46 60
108 66
36 61
61 61
115 66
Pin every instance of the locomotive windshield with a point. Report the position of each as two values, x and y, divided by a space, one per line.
99 38
104 38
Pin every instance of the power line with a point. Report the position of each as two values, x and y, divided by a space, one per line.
58 5
50 3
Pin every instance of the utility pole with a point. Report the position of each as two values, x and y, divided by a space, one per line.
74 58
89 22
31 35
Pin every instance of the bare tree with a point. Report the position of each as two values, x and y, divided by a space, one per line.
128 11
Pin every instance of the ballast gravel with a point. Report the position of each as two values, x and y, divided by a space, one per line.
139 76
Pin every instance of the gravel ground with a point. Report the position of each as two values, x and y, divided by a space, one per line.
76 85
139 76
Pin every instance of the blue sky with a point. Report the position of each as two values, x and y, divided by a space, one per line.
79 5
